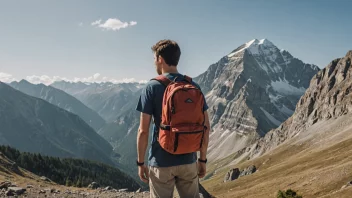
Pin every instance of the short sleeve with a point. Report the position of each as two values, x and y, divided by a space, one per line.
145 101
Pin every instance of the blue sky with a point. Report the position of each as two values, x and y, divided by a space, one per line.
57 38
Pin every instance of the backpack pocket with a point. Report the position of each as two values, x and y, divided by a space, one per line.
188 138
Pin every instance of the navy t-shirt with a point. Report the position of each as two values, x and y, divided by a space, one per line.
150 102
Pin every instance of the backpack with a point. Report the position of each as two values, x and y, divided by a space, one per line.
182 124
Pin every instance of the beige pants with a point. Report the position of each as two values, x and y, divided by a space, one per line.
162 181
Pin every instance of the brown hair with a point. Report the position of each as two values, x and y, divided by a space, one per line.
169 50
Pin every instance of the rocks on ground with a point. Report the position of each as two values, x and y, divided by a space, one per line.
235 173
349 184
248 171
93 185
232 175
16 190
44 179
5 185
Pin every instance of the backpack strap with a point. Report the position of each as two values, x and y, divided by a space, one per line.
188 79
163 80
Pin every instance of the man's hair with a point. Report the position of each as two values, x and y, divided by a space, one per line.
169 50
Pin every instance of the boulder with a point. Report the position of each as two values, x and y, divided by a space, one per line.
5 185
248 171
93 185
29 186
44 178
17 190
232 175
10 193
108 188
123 190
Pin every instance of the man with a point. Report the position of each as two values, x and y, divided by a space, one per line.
167 170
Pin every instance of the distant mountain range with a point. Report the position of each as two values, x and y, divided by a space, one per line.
107 99
34 125
61 99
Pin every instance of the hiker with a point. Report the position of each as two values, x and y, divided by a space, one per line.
180 128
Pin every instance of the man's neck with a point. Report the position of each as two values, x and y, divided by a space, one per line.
170 69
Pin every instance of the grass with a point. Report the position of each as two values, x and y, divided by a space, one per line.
313 171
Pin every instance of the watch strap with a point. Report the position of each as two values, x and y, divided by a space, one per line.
139 163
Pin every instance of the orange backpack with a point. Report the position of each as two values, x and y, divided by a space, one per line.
182 124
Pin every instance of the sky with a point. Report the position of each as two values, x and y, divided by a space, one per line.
44 41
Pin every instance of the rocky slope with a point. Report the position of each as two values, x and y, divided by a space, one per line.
108 99
329 96
61 99
251 91
34 125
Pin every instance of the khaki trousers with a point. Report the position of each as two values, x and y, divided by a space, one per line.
162 181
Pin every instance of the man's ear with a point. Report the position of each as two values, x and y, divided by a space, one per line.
161 60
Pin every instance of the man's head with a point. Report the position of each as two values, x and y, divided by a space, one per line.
166 54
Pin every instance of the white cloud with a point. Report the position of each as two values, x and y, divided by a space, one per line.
96 76
132 23
113 24
90 79
7 78
97 22
47 80
80 24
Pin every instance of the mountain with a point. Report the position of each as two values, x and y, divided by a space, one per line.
61 99
34 125
108 99
250 91
310 152
122 134
328 97
116 103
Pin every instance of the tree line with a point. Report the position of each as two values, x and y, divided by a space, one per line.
70 171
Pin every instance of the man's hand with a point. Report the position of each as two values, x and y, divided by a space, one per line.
143 173
202 169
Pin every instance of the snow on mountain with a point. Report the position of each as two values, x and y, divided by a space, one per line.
250 91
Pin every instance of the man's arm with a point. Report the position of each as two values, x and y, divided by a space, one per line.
203 151
142 136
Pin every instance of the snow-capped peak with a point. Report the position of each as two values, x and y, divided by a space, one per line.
265 42
253 46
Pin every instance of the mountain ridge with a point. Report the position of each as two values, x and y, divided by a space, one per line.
61 99
33 124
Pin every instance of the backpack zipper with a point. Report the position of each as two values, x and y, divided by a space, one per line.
178 133
172 98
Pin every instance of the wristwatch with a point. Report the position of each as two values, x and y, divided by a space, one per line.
139 163
204 161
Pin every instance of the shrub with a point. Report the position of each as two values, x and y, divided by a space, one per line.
288 194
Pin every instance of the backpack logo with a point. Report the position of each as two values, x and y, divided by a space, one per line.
188 100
